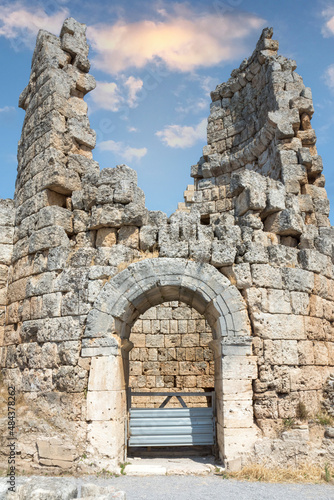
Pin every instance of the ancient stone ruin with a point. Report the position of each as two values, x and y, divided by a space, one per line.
233 292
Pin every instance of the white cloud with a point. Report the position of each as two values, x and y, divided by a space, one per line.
107 95
122 150
7 109
132 129
329 76
134 85
182 39
328 28
113 96
21 22
177 136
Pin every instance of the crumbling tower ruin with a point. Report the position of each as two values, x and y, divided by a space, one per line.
82 259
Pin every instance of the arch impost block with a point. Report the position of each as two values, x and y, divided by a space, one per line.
236 346
106 346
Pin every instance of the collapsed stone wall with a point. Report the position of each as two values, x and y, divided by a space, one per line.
257 212
171 353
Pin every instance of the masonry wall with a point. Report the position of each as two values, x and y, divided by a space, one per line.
257 212
171 353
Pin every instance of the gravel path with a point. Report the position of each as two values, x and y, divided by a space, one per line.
216 488
201 488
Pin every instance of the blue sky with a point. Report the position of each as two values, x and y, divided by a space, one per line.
155 64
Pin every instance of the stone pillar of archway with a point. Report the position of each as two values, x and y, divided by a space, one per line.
133 291
106 400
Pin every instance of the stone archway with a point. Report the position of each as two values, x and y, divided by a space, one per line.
106 340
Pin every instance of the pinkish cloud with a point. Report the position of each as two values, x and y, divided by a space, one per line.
183 40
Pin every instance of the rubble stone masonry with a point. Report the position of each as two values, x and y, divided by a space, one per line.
250 251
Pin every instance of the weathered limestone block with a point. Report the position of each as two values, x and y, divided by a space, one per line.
306 378
129 236
298 280
106 237
60 179
200 251
265 276
52 451
6 252
6 235
40 284
286 121
300 303
275 199
51 330
37 380
114 175
279 302
73 38
70 379
55 216
46 238
105 194
281 326
124 192
285 223
239 275
222 255
79 129
107 216
313 260
250 199
255 253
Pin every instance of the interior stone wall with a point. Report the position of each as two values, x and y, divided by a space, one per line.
171 353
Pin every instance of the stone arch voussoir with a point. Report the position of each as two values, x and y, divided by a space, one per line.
150 282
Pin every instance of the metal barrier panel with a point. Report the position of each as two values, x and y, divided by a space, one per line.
171 426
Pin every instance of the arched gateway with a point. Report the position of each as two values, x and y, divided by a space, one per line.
107 340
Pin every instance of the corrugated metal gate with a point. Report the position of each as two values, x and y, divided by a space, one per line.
171 426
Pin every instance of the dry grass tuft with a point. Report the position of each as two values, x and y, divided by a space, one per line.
303 474
144 255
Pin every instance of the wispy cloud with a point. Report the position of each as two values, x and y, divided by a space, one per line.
134 86
7 109
177 136
328 28
122 150
182 39
329 76
193 106
206 83
22 22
